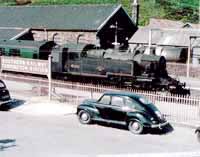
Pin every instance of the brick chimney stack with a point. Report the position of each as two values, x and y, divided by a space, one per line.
135 11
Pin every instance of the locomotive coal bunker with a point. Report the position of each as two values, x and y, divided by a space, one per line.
124 68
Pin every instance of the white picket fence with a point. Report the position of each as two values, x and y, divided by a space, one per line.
174 107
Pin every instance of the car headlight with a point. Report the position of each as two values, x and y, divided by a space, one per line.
159 114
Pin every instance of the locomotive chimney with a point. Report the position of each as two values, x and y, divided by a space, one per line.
135 11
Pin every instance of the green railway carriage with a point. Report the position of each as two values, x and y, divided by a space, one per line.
26 48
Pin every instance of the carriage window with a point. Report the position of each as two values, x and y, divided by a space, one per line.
73 56
2 51
14 52
117 101
105 100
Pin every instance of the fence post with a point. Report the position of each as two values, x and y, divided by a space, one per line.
199 109
91 94
49 75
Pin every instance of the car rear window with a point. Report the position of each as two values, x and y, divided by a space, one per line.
144 101
2 85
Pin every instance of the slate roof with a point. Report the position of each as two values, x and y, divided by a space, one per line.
72 17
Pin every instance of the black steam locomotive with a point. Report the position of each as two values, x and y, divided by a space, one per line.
87 62
122 68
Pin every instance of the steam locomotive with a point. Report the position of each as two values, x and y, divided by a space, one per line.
124 68
112 66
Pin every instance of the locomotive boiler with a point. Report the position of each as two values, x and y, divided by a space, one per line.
124 68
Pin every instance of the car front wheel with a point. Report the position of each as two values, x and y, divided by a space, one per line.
135 127
84 117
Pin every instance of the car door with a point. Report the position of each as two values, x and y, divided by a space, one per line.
116 111
103 105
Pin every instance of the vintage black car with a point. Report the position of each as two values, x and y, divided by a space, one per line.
126 108
197 131
4 93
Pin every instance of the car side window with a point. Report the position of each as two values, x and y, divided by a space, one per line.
117 101
130 102
105 99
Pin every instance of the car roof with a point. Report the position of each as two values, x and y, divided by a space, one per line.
122 93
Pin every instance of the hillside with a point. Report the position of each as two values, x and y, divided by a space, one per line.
184 10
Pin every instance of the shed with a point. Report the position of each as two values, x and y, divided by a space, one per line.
168 38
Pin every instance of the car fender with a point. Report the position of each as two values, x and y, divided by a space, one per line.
89 108
138 117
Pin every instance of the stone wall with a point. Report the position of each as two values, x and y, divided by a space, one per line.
62 37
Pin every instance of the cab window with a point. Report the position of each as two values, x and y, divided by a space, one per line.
117 101
73 56
105 99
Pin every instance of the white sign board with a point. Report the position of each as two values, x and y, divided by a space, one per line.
25 65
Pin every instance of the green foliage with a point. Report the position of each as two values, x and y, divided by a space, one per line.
7 2
74 1
185 10
150 9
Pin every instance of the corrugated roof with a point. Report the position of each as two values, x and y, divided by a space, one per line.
73 17
10 33
179 37
165 37
142 36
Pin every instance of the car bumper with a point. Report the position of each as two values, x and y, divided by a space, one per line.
160 126
4 102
